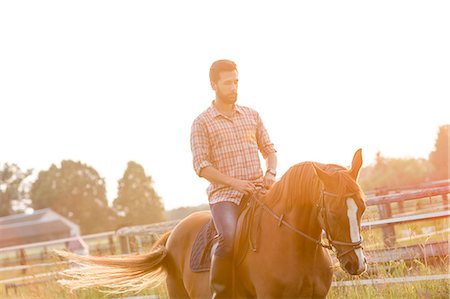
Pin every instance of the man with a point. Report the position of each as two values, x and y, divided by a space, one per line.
225 140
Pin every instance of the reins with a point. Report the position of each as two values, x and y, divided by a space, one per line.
322 220
290 226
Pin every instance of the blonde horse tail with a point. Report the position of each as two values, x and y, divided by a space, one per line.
117 274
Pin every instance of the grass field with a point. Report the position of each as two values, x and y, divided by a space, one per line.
422 289
52 290
433 289
421 232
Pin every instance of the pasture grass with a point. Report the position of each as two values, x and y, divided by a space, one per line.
52 290
393 269
421 289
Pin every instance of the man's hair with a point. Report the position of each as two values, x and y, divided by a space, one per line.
218 66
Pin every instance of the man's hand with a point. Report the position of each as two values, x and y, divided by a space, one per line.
243 186
269 180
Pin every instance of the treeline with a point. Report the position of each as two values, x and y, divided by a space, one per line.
395 172
77 191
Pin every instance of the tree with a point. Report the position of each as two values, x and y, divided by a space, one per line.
137 201
439 158
12 189
76 191
394 172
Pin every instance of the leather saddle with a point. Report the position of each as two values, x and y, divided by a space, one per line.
247 233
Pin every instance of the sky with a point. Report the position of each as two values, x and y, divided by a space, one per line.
107 82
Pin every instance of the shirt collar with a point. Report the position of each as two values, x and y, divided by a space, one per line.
214 112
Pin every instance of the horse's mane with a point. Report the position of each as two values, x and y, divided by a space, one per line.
300 186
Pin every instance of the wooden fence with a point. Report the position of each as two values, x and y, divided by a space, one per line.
387 220
41 251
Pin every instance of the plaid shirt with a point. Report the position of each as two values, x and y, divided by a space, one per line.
230 145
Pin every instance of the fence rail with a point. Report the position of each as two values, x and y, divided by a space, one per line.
391 198
386 190
27 267
405 219
378 281
57 242
408 253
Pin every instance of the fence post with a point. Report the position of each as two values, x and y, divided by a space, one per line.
445 201
23 259
124 245
44 254
112 248
132 241
385 212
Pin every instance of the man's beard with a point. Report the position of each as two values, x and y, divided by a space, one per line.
229 98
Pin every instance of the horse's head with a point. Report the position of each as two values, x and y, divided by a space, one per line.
341 207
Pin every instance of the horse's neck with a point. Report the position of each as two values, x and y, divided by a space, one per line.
304 218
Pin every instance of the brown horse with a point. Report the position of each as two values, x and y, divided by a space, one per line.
291 261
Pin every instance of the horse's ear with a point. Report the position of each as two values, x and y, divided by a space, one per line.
356 164
323 175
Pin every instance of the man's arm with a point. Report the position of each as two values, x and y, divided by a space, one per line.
267 150
271 160
215 176
271 163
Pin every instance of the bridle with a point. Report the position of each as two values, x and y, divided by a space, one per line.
323 223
